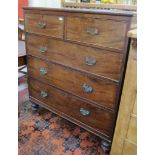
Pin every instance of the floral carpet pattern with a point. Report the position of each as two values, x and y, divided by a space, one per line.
45 133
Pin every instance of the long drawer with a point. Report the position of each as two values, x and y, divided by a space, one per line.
49 25
102 92
101 32
100 62
86 113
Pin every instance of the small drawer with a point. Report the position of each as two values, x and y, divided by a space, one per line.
102 92
49 25
91 116
103 33
95 61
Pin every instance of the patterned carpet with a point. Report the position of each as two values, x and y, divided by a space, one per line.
45 133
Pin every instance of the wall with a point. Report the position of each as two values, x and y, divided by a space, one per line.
21 4
45 3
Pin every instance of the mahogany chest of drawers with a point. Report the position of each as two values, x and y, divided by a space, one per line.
76 64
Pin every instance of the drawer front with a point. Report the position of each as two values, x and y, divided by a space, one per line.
49 25
92 116
106 33
99 62
102 92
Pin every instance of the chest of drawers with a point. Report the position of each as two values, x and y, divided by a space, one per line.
76 64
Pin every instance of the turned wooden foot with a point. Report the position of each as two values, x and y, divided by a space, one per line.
34 106
105 146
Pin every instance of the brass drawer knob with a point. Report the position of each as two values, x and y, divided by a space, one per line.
87 88
43 94
43 71
41 25
43 49
92 31
84 112
90 61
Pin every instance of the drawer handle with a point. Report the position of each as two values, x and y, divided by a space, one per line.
87 88
41 25
43 71
84 112
43 49
90 61
43 94
92 31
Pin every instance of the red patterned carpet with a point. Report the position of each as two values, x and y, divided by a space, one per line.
44 133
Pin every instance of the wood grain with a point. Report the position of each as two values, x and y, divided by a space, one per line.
54 26
129 149
104 92
111 33
124 141
132 130
78 11
108 64
135 107
98 119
